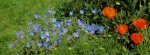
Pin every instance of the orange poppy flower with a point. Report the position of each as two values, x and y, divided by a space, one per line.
140 23
136 38
109 12
122 29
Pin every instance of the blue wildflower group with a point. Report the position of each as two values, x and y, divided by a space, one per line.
55 31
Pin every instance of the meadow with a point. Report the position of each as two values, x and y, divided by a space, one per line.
74 27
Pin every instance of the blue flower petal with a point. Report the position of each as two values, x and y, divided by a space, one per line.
46 44
39 44
101 28
82 11
76 34
47 38
36 16
55 42
11 45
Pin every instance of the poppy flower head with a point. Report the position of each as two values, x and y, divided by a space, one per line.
136 38
122 29
140 23
109 12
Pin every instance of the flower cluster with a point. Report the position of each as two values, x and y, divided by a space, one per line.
55 32
139 23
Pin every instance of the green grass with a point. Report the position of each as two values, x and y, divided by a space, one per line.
14 14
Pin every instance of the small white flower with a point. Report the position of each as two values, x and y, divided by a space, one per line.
51 11
71 13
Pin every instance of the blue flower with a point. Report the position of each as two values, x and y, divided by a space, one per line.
42 35
68 22
47 38
90 29
64 30
36 16
54 20
31 33
81 23
46 15
55 42
94 11
76 34
17 33
82 11
36 28
101 28
28 44
20 34
58 24
69 38
46 44
54 33
39 44
11 45
49 11
71 13
94 27
47 33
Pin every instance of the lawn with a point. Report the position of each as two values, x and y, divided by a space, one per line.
14 15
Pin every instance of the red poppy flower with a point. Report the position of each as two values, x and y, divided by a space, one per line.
122 29
136 38
109 12
140 23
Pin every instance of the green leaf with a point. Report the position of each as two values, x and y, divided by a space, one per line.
134 4
88 14
141 12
